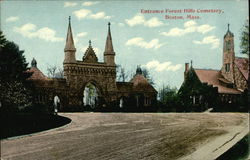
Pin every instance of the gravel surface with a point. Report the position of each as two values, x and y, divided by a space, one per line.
104 136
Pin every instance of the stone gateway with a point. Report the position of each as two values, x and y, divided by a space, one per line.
90 84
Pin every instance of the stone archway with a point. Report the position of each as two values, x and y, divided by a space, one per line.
91 96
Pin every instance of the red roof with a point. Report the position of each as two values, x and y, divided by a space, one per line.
140 83
37 74
124 86
243 65
212 78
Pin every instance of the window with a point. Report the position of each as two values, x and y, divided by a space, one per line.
228 45
227 67
147 101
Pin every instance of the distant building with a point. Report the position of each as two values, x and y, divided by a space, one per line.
232 79
88 82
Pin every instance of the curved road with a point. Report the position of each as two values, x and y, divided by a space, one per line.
103 136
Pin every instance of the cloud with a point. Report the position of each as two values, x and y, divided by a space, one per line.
12 19
89 3
164 66
26 30
85 13
80 35
138 41
139 19
121 24
189 24
99 15
153 22
205 28
70 4
29 30
189 27
215 42
82 13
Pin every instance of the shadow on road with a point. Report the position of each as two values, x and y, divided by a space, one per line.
23 123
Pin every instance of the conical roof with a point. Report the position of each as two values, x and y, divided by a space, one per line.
69 46
109 45
36 73
229 33
141 84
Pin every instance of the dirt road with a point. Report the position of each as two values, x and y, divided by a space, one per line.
103 136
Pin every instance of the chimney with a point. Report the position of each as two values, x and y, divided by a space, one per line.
186 67
186 70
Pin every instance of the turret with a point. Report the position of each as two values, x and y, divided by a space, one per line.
138 70
109 54
69 49
33 63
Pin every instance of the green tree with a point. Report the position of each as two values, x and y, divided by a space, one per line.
168 98
13 67
244 39
147 75
244 45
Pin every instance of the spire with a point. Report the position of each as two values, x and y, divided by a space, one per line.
69 46
109 46
229 33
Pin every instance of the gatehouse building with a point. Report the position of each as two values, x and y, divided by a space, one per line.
88 82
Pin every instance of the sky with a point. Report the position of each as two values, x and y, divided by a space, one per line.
157 35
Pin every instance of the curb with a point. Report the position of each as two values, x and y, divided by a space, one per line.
218 146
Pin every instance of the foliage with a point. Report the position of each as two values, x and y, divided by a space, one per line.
13 64
54 72
244 39
147 75
244 45
2 40
168 98
90 95
121 74
14 91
